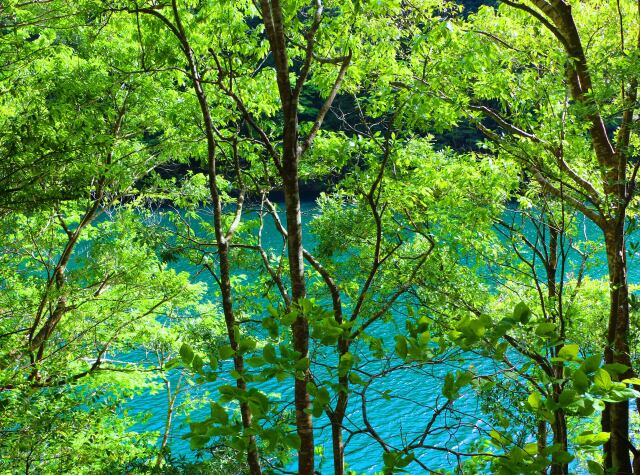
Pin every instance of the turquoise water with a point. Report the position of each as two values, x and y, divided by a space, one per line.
399 405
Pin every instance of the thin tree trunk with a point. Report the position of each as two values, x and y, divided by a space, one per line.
300 326
171 400
559 428
225 280
337 441
615 417
227 306
559 425
542 440
338 414
253 460
273 20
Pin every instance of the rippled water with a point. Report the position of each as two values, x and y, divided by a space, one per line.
412 396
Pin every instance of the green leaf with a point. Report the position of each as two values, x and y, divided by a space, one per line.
602 379
173 363
521 313
292 441
592 363
198 442
302 364
405 460
449 389
255 361
562 456
595 468
218 413
535 400
401 346
354 378
616 368
246 344
345 364
197 364
619 394
545 329
592 439
580 381
269 353
569 352
389 459
322 396
567 397
225 352
498 439
236 375
186 353
477 327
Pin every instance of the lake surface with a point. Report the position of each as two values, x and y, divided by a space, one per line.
399 406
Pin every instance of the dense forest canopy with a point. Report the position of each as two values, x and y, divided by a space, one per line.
319 236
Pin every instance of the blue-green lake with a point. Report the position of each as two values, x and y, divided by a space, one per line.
399 405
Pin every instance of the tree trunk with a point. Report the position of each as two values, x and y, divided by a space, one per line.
542 440
300 327
227 301
171 399
337 416
337 441
273 21
253 460
615 417
238 361
559 425
559 428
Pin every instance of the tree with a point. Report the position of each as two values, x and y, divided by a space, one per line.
81 284
544 96
112 109
286 161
